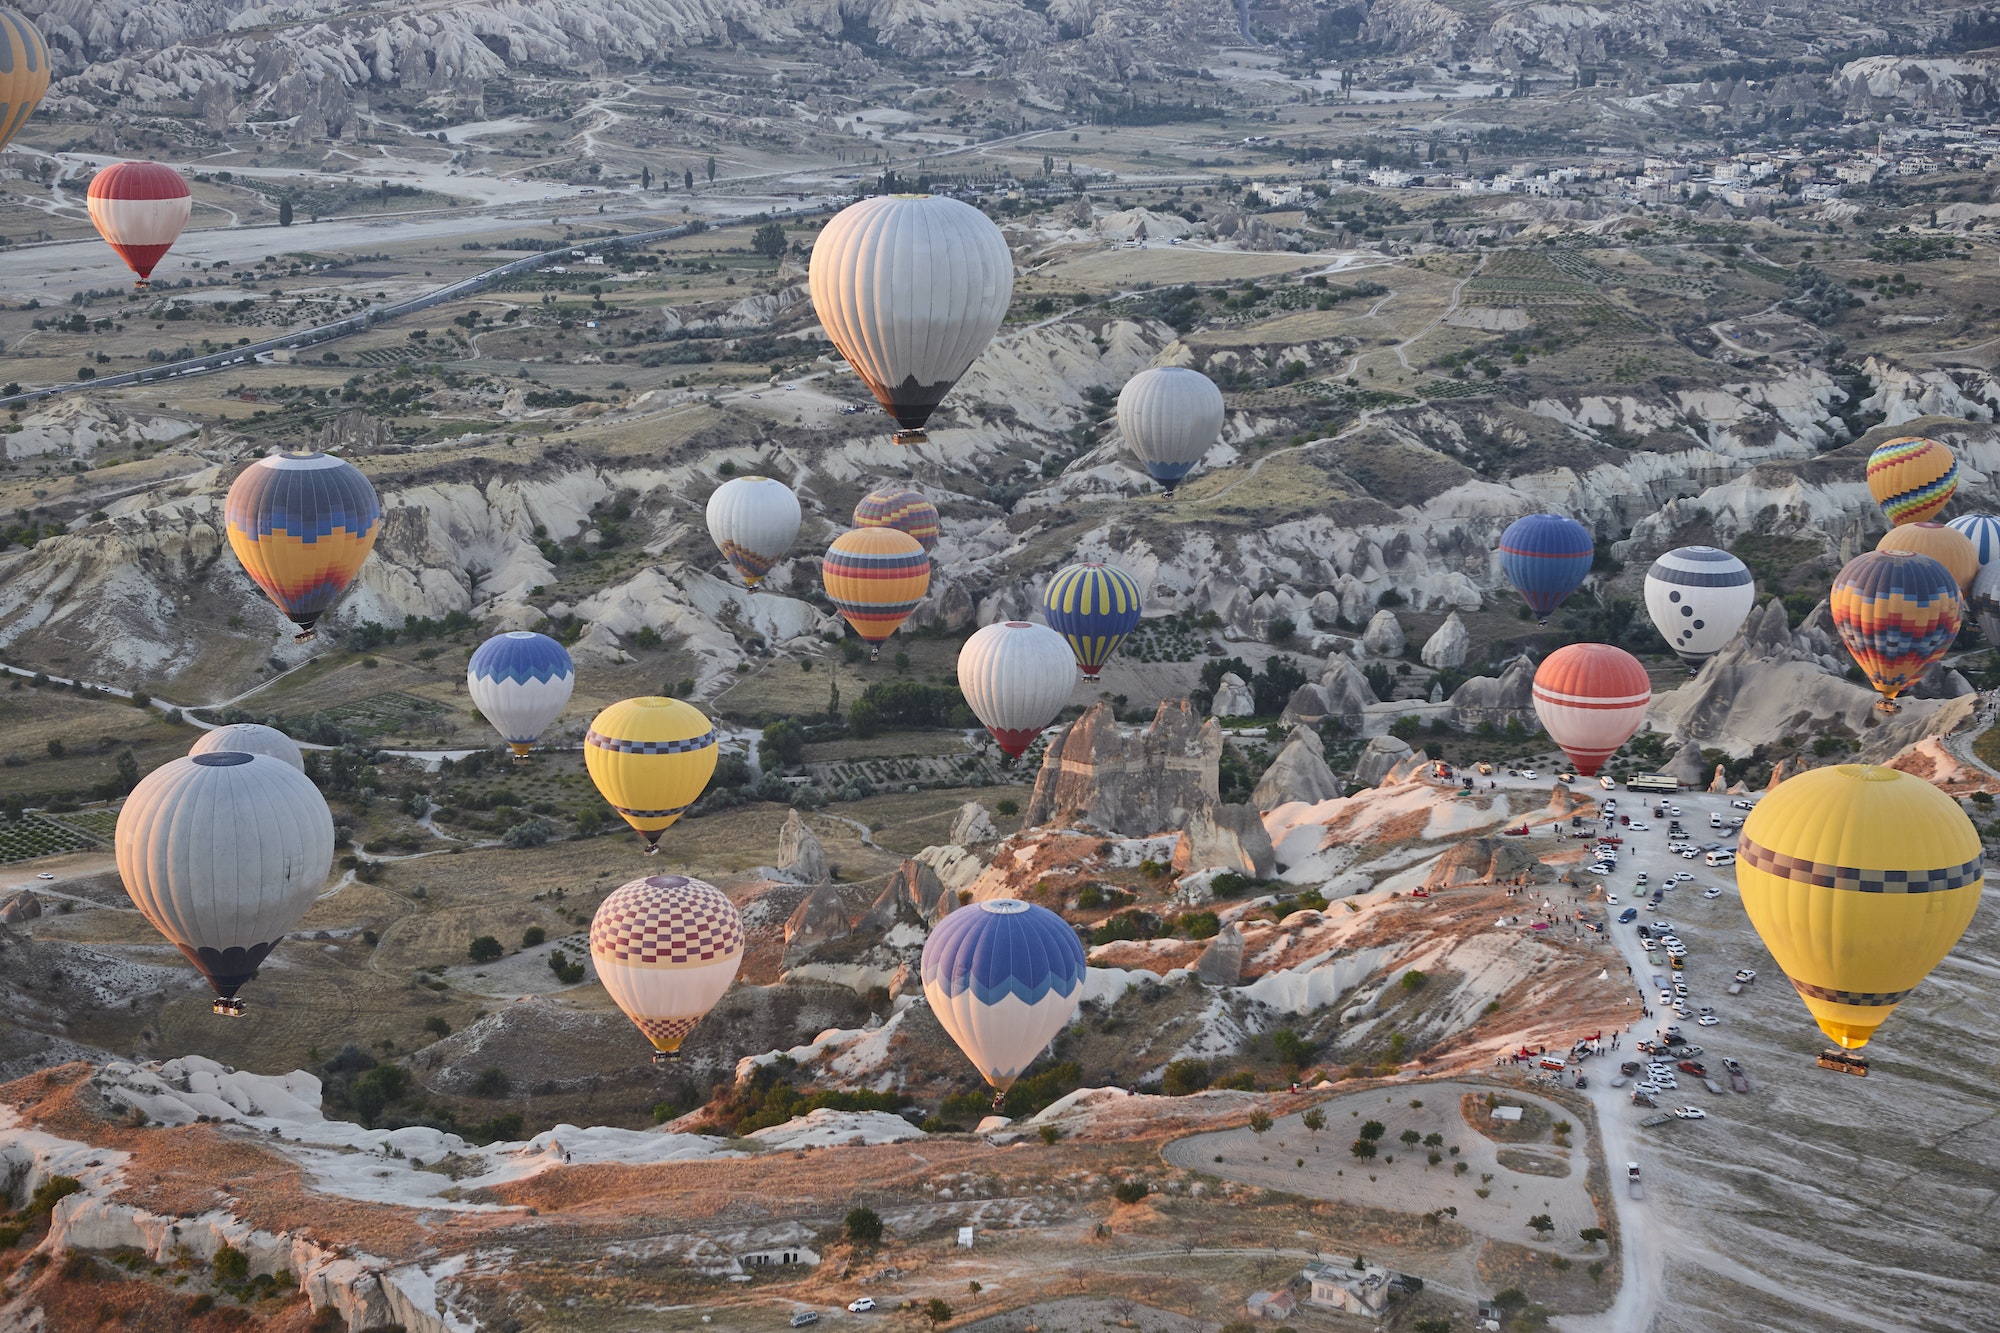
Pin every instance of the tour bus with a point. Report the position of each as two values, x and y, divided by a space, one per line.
1660 782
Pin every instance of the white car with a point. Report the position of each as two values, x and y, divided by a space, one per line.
1528 773
1708 1020
1690 854
1666 999
1742 805
1690 1113
862 1306
1648 1087
45 875
1684 875
1601 869
1674 810
1666 926
1637 827
1683 1011
1611 899
1711 893
1607 784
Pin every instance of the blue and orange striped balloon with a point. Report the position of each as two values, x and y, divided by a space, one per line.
902 509
1545 557
1897 612
302 524
24 72
1912 478
875 577
1093 606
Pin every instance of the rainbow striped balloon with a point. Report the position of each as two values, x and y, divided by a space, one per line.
1912 478
1094 606
1897 612
302 524
902 509
875 577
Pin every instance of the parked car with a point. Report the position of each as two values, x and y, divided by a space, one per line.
1690 854
1690 1113
1674 810
1611 899
1528 773
1740 804
1711 893
1695 1067
1627 915
862 1306
1746 975
1721 858
804 1318
1708 1020
44 875
1607 784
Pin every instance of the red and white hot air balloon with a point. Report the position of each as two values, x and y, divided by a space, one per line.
1591 697
139 208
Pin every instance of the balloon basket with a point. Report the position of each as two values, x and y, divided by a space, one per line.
227 1006
1843 1062
909 437
999 1100
305 636
666 1058
1887 706
652 849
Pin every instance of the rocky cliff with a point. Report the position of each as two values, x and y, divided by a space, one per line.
1129 781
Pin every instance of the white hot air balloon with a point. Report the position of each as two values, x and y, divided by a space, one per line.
520 681
1171 417
1985 601
666 948
911 288
753 521
1016 677
251 738
1699 597
224 852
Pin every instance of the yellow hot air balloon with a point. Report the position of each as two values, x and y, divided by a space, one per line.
1859 879
651 759
875 577
1948 546
24 72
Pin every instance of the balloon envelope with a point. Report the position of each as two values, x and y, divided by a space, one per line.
24 72
1591 697
1912 478
1171 417
302 524
1016 677
1545 557
875 577
1983 531
140 208
1093 606
1698 598
650 759
1003 978
1897 612
1946 545
900 508
251 738
666 948
1859 880
520 681
910 288
1985 602
752 521
224 852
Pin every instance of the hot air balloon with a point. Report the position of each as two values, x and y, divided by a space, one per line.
666 948
753 521
224 853
302 524
1949 547
1003 977
1897 612
1591 697
1985 602
900 508
910 288
24 72
139 208
1983 531
1859 880
1016 677
1911 478
875 577
250 738
650 759
1698 598
1171 417
1094 606
1545 557
520 682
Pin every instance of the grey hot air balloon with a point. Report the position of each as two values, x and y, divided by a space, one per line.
251 738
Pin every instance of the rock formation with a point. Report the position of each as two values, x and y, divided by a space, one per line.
1342 693
1226 837
1221 963
1449 646
1487 861
800 856
1232 697
1384 635
954 866
1501 699
1687 765
820 918
1415 764
1135 782
23 906
973 825
1299 773
1382 754
914 894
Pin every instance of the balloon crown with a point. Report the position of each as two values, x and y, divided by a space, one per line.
1004 906
222 758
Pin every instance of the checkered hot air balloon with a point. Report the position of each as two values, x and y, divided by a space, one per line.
1897 612
900 508
1003 978
1545 557
875 577
520 681
140 208
1093 606
666 948
302 524
1912 478
651 758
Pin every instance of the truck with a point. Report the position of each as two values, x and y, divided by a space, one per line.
1632 1186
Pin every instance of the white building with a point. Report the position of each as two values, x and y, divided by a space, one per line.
1391 178
1362 1291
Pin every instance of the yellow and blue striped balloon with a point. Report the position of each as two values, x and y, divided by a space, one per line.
1093 606
24 72
303 525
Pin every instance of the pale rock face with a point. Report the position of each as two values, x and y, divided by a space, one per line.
81 427
820 919
1135 783
956 867
1497 699
1232 698
1687 765
1226 837
801 858
914 895
23 907
1221 963
973 825
1382 754
1449 646
1298 773
1384 635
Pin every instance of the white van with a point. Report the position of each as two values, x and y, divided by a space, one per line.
1720 859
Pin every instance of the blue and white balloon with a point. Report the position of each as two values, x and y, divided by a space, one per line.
521 682
1003 977
1698 597
1983 531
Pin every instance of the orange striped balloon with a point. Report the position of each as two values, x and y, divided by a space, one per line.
1591 697
901 508
875 578
139 208
24 72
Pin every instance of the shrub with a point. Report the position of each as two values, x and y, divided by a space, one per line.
231 1265
1293 1050
1184 1077
1007 807
863 1226
1049 1134
1130 1191
50 1192
1372 1130
437 1027
485 949
532 936
1413 980
492 1082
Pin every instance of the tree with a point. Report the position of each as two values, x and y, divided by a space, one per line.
1591 1235
284 212
711 171
1411 1138
1184 1077
1372 1130
1260 1121
645 178
864 1227
1282 630
1130 1191
1314 1120
56 749
532 936
1542 1224
485 949
689 175
769 240
128 771
937 1310
1362 1148
783 745
1293 1050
